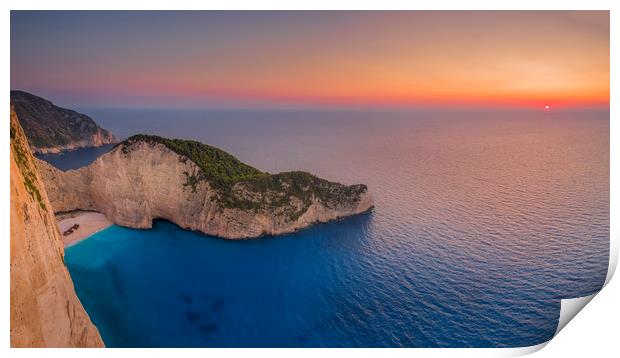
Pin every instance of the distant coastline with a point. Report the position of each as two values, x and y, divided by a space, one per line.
53 129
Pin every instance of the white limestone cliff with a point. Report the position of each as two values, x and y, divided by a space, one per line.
150 181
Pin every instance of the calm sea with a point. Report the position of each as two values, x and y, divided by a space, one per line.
73 159
483 222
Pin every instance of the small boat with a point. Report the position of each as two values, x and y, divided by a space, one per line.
71 229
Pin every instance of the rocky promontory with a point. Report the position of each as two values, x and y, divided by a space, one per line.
52 129
201 188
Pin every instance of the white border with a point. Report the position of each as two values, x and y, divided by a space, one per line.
598 330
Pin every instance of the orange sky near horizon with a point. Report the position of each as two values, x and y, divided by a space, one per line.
401 58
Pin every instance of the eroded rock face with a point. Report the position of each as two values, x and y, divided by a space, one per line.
45 311
138 182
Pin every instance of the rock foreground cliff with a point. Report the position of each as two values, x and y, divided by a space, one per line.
45 311
51 129
198 187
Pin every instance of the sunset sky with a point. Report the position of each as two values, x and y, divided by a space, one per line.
280 59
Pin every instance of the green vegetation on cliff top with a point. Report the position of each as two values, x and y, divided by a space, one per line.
218 167
241 186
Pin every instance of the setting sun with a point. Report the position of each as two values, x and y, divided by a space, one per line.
312 59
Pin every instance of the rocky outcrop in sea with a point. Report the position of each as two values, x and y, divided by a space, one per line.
201 188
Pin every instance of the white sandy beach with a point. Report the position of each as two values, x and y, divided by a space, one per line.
90 222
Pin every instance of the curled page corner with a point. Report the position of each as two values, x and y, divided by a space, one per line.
613 260
522 351
570 307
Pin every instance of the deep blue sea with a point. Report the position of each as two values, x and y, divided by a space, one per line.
73 159
484 220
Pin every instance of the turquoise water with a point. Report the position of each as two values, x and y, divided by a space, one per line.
483 222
